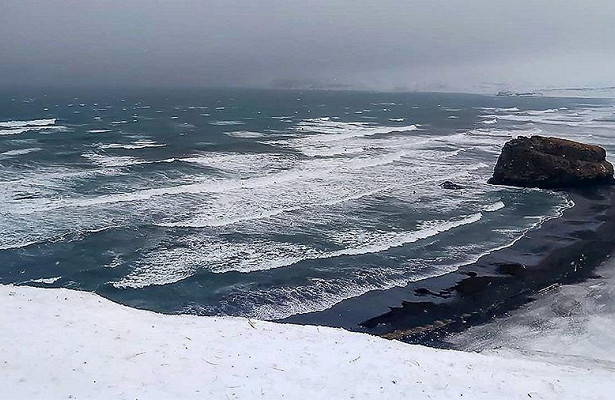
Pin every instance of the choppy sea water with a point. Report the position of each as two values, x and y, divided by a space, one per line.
263 203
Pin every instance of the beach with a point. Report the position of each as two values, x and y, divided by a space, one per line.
562 250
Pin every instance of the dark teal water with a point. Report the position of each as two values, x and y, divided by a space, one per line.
262 203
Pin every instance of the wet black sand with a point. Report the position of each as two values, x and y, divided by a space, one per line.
562 250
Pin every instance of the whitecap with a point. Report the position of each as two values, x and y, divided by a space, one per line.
393 239
30 123
498 205
47 281
20 151
245 134
226 123
118 161
217 222
172 265
139 144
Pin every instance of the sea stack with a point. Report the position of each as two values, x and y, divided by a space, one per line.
551 163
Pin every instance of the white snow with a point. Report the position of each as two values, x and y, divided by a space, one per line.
571 324
59 344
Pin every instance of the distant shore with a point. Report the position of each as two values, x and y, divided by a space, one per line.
562 250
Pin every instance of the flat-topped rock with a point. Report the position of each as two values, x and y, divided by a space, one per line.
549 163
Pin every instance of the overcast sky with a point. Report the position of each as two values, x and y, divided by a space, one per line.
378 44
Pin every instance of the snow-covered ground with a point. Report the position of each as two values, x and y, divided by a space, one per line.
60 344
569 325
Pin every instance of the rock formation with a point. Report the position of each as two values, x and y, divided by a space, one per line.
549 163
450 185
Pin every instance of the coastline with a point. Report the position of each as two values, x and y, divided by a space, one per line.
62 343
563 250
569 324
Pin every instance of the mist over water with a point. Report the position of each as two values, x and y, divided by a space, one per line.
263 203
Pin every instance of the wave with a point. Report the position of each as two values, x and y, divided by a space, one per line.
497 109
337 130
99 130
226 123
245 134
171 266
321 294
16 131
391 240
121 161
19 127
291 196
216 185
589 118
318 295
203 223
324 137
47 281
19 152
281 171
498 205
30 123
139 144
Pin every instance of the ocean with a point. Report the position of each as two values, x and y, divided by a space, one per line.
264 203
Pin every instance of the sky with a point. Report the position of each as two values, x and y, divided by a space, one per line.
471 45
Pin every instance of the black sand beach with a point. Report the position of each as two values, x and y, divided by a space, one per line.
562 250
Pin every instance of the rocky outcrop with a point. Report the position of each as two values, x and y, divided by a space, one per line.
450 185
549 163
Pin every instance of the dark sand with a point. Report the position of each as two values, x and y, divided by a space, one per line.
562 250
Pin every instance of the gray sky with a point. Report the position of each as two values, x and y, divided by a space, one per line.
378 44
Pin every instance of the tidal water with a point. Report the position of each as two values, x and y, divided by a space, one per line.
264 203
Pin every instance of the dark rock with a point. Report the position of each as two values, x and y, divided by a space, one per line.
513 269
473 286
450 185
549 163
428 292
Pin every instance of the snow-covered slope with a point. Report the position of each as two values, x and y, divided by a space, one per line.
570 324
59 344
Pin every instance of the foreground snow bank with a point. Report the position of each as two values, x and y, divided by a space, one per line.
58 344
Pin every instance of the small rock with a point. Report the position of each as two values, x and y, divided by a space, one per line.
450 185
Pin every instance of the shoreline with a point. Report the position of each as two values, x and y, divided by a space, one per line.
563 250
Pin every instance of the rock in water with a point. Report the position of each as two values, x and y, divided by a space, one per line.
549 163
450 185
